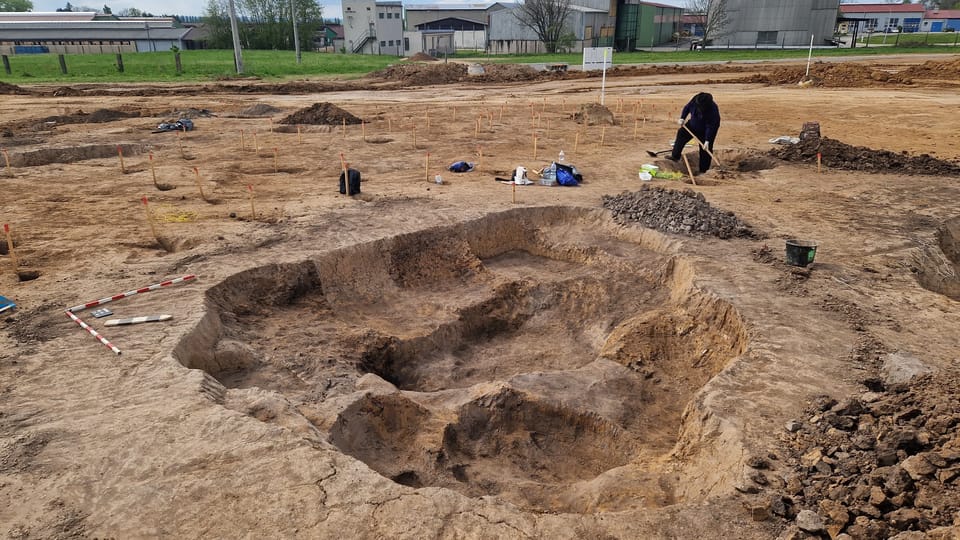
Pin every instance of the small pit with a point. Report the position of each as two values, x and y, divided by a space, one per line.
530 355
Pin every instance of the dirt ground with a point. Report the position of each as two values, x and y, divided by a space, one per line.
473 359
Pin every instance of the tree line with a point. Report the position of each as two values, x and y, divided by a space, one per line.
263 24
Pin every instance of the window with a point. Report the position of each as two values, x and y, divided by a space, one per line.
390 43
892 24
383 43
767 38
406 44
870 25
381 14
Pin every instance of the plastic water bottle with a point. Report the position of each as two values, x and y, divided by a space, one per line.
438 179
561 157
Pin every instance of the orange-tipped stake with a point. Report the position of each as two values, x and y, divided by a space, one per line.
256 145
514 192
636 125
6 159
544 107
253 209
480 158
501 112
120 153
454 114
153 171
819 163
276 160
299 135
196 175
146 210
414 136
389 125
534 145
363 128
344 124
243 143
576 142
426 166
603 132
13 254
476 129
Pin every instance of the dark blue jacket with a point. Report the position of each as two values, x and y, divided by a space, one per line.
707 123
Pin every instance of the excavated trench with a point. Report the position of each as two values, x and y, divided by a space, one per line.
938 265
543 356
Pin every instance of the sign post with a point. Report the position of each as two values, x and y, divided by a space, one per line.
598 58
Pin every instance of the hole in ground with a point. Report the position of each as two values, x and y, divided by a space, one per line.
544 355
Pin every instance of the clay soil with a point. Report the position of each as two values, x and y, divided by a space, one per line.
472 359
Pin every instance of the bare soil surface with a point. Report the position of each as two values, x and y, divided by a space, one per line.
472 359
321 113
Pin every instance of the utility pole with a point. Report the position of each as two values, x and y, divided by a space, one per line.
237 53
296 33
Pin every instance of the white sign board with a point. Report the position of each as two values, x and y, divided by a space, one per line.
597 58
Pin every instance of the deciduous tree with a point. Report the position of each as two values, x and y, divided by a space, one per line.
717 17
16 5
547 18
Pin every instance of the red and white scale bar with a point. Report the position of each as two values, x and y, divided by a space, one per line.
121 296
93 332
70 311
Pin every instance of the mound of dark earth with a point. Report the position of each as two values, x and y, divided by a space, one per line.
839 155
321 114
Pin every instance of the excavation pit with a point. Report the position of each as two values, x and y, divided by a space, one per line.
543 356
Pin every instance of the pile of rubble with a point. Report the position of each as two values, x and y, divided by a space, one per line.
874 465
680 212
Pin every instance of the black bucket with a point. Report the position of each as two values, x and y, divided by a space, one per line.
800 252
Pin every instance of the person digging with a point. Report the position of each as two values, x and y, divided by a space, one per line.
703 124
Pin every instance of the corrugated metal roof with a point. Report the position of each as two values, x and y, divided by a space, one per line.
92 25
48 16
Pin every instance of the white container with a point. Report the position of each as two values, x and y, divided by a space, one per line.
438 179
645 176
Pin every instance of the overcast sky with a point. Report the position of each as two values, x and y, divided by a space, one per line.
331 8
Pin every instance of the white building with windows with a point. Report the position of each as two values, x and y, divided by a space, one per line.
880 18
373 27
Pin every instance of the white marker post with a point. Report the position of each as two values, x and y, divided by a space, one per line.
598 58
809 57
603 80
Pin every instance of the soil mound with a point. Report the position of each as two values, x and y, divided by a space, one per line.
422 57
680 212
323 114
10 89
100 116
878 463
497 73
260 109
593 114
838 155
830 75
945 70
422 74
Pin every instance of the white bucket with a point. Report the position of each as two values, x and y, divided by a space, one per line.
645 176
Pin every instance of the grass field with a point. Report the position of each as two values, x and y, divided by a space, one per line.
925 38
206 65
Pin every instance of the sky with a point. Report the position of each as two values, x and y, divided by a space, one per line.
331 8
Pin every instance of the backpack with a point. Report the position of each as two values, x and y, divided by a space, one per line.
567 175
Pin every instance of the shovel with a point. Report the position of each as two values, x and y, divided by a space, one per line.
657 153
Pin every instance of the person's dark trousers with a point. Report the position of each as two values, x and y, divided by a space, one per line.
683 137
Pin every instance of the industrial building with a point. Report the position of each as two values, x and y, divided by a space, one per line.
89 32
777 23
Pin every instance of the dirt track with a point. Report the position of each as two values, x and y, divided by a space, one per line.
428 360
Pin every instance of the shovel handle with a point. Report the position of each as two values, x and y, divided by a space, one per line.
702 145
